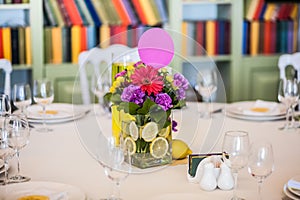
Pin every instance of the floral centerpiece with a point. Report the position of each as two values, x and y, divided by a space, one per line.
144 97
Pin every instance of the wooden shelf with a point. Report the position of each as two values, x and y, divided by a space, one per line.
20 6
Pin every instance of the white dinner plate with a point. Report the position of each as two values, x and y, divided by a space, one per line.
56 113
245 108
50 189
294 185
289 194
1 166
255 118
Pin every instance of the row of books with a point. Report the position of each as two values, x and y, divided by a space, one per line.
15 44
270 37
98 12
13 1
261 10
211 37
63 44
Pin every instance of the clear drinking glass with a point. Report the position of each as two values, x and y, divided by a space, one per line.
100 86
17 138
116 161
206 86
288 94
5 152
235 150
261 162
22 96
43 94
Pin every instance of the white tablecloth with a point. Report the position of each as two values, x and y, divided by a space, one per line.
59 156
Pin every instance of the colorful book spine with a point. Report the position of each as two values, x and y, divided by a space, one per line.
254 38
139 11
14 45
122 12
75 43
65 15
210 37
28 45
73 12
104 36
21 31
57 14
56 33
48 13
200 38
93 13
47 45
130 11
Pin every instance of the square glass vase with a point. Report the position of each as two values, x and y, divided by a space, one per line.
149 142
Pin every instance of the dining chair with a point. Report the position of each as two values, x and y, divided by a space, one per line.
7 68
286 60
97 57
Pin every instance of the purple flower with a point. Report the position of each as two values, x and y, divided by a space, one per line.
122 73
164 101
133 94
174 125
182 84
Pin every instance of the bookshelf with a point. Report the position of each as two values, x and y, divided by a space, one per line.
211 10
247 76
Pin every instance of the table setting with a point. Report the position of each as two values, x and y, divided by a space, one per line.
150 143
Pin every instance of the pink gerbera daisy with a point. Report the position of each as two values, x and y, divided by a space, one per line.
148 79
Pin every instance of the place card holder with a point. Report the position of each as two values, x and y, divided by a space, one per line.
195 159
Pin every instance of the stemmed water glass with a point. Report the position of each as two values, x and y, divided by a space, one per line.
235 150
206 86
116 161
261 162
288 94
5 152
22 96
43 94
100 86
18 133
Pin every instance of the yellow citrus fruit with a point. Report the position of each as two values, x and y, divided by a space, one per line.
180 149
150 131
165 132
159 147
130 145
133 130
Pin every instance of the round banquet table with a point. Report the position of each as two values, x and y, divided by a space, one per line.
60 156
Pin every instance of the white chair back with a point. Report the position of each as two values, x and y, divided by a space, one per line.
95 57
7 68
286 60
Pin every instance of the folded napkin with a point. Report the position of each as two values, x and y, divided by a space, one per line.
262 108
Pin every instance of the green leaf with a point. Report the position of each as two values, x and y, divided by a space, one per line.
146 106
129 107
158 115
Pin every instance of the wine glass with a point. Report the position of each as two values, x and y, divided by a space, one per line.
116 161
17 128
206 86
100 86
5 107
22 96
261 162
288 94
43 94
5 151
235 150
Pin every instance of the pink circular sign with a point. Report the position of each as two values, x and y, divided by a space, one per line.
156 48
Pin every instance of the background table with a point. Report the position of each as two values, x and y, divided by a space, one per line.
59 156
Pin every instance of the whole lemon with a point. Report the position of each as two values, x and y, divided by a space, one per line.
180 149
